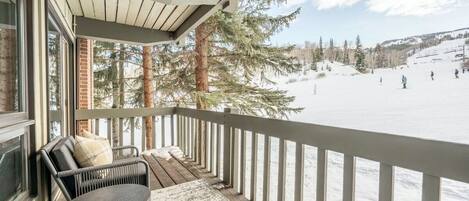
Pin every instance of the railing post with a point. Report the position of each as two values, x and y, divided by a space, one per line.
226 148
386 182
349 178
431 188
321 185
173 143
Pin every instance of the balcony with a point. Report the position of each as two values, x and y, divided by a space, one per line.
221 147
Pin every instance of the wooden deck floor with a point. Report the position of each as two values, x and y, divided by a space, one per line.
166 172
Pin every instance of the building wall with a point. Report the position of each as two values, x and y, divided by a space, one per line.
85 80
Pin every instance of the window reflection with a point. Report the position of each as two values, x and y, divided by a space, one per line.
8 58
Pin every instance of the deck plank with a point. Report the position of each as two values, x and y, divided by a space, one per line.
182 170
176 170
170 170
159 172
154 183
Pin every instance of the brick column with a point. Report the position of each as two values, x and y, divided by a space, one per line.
85 79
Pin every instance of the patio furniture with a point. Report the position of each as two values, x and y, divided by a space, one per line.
122 192
75 181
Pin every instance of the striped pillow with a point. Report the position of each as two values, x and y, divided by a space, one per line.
92 152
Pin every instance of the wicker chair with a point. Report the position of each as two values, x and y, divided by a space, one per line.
75 181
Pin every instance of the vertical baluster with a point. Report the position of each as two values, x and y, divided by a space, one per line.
143 134
299 170
431 188
208 142
121 132
96 127
173 142
194 139
109 131
349 178
386 182
281 170
132 132
163 132
234 158
213 148
321 185
178 132
226 154
154 132
242 161
219 143
253 165
184 135
266 186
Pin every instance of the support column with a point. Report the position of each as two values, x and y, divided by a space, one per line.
84 79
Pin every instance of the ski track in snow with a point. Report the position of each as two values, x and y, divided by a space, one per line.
428 109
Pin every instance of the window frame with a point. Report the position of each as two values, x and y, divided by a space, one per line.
14 124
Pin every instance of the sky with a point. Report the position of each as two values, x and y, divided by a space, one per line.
374 20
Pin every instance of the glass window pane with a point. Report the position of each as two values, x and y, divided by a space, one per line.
55 82
9 68
11 168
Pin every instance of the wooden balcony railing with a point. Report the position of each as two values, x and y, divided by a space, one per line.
217 140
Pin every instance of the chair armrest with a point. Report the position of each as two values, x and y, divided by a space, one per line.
120 172
120 163
122 148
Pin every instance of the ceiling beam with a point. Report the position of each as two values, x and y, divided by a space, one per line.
115 32
200 15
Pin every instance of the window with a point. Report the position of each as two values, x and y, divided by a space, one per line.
11 167
58 53
9 64
13 114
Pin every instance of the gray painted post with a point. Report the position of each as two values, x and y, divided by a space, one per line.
321 185
386 182
242 161
431 188
281 170
254 143
172 130
349 178
266 185
226 149
299 171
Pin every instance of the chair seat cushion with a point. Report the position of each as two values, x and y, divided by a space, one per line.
92 152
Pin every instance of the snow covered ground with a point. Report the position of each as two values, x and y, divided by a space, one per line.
429 109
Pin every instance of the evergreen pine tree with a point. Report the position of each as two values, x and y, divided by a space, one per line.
240 63
331 54
380 59
346 59
359 56
321 49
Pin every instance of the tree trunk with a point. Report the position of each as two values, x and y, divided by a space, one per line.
115 99
148 93
201 79
121 90
7 70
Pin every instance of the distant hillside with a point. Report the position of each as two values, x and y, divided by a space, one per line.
426 40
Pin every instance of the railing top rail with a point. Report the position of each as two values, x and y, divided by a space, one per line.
437 158
122 113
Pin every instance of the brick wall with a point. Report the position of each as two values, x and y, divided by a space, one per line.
85 79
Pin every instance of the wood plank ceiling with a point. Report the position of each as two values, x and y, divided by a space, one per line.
149 14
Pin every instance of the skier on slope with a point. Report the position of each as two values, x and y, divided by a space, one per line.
432 74
456 73
404 82
381 80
